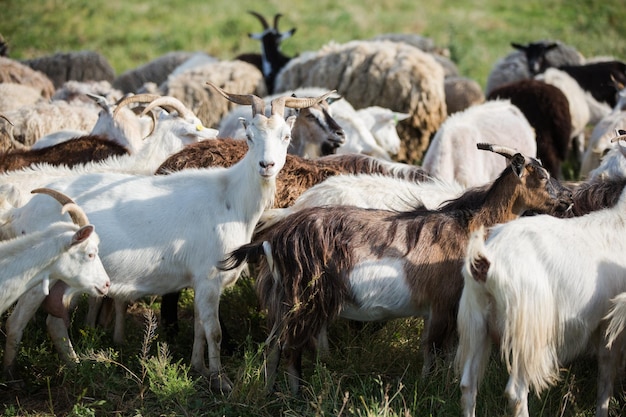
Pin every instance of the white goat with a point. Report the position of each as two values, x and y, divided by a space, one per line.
65 251
167 232
496 121
613 164
543 301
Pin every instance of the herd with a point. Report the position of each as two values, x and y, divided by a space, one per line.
367 181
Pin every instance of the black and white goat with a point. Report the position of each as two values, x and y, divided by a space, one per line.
342 261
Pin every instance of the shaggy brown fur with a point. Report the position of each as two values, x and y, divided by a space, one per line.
596 195
314 251
75 151
297 175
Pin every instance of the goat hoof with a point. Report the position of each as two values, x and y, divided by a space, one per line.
221 383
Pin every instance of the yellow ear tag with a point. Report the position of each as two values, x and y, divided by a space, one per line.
199 127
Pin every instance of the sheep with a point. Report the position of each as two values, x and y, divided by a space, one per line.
180 251
461 93
547 110
315 132
32 122
75 65
84 91
496 120
601 79
542 301
12 71
341 261
271 60
13 96
155 71
398 76
529 60
190 87
65 251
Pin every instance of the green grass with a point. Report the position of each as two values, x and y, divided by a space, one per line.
477 33
373 371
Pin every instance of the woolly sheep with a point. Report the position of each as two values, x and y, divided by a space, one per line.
461 93
155 71
394 75
75 65
13 96
515 66
547 110
12 71
451 155
190 87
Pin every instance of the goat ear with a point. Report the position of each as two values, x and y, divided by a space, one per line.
244 122
518 46
82 234
518 162
290 121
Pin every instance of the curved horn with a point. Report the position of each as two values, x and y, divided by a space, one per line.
279 103
169 103
76 213
276 18
257 103
505 151
2 116
136 98
261 18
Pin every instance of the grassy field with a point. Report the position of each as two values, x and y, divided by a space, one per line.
374 371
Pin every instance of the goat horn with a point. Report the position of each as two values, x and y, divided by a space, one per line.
261 18
276 18
257 103
78 215
2 116
169 103
279 103
505 151
621 135
100 101
136 98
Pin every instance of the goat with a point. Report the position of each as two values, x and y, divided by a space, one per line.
544 307
65 251
271 60
315 132
156 240
368 265
298 175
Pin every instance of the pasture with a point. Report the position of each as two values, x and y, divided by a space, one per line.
374 369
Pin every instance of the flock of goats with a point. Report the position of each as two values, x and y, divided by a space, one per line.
483 240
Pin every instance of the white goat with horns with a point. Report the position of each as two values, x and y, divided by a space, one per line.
65 251
165 233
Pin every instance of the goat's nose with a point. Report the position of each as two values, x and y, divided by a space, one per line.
266 165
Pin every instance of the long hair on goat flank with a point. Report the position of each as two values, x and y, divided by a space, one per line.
524 296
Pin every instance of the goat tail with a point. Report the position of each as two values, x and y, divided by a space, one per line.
476 263
250 252
616 319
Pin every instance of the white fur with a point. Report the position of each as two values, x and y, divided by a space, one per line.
452 155
382 123
543 301
165 233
